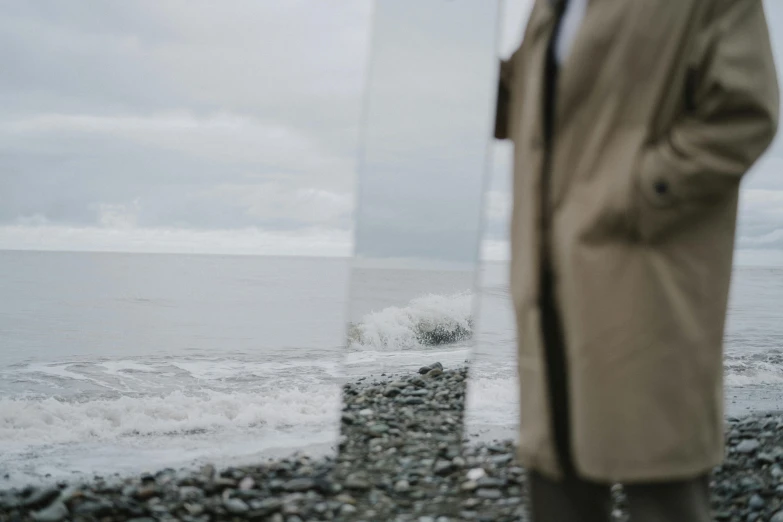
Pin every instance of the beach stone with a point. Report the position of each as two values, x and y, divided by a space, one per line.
489 482
347 509
756 502
469 485
401 486
476 473
146 492
208 471
765 458
299 484
194 509
41 497
748 446
235 506
777 517
500 459
487 493
97 508
266 507
443 467
190 493
54 513
357 481
247 483
378 428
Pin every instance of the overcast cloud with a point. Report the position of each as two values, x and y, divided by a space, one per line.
219 127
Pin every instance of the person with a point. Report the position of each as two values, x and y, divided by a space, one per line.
632 124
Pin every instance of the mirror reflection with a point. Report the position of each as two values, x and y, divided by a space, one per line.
428 109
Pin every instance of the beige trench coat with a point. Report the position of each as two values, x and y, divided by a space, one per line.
662 106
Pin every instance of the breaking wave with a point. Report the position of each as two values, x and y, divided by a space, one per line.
754 369
430 320
54 421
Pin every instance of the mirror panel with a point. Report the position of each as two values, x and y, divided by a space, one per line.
429 111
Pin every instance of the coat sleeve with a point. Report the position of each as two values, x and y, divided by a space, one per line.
502 108
733 113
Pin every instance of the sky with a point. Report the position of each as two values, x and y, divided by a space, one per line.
193 126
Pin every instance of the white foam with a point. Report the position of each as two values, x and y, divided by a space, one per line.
123 366
403 328
55 370
25 422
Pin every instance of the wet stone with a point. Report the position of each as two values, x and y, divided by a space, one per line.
748 446
54 513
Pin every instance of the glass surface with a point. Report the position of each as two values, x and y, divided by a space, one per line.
429 110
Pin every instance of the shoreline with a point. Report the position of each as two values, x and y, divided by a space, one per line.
400 430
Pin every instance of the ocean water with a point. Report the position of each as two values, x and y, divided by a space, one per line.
121 363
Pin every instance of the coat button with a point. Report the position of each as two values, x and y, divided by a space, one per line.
661 188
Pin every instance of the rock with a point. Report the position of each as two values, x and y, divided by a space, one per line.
756 503
41 498
378 429
469 485
358 482
500 459
146 492
247 483
401 486
486 493
96 508
347 510
195 510
434 373
476 473
443 467
266 507
222 483
748 446
489 482
777 517
765 458
235 506
54 513
299 484
208 471
190 493
344 498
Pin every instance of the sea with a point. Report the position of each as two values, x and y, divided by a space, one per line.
117 363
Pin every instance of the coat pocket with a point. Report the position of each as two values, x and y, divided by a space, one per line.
656 210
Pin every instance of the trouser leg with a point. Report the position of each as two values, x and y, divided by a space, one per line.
678 501
568 500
